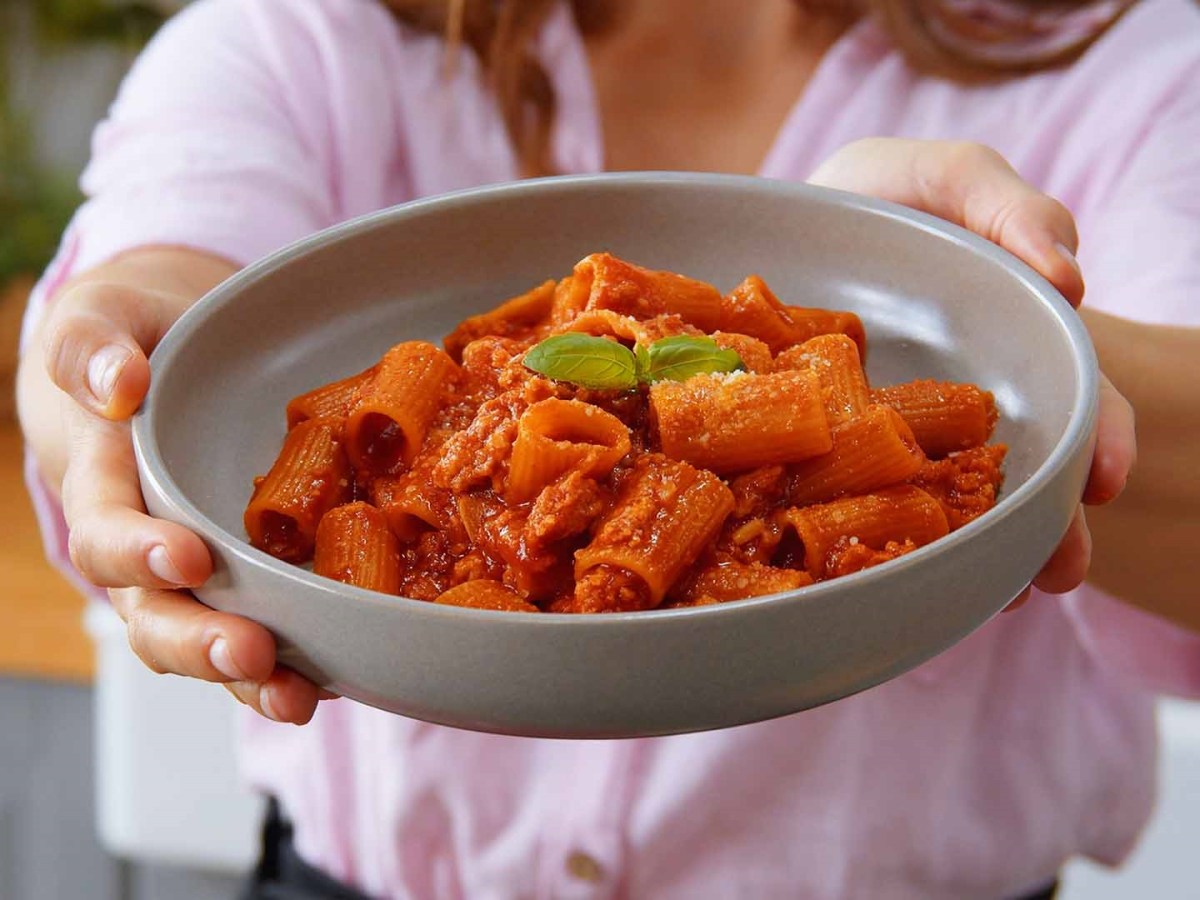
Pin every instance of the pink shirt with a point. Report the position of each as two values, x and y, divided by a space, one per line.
251 123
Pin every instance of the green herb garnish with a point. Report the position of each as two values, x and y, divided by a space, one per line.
600 364
585 360
642 363
679 358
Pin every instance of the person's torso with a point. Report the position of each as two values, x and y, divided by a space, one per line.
976 775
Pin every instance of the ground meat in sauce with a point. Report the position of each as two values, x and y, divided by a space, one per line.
754 493
964 483
565 509
479 454
475 566
531 547
845 558
718 578
427 565
538 572
607 589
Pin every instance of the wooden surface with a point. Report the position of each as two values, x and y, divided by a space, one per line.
43 634
13 297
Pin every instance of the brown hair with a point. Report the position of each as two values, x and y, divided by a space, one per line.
938 37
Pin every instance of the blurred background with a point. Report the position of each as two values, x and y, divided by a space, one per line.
95 804
116 784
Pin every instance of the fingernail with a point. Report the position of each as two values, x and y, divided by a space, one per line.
268 708
104 368
1066 254
160 564
222 660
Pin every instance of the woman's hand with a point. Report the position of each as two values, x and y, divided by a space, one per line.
79 385
972 186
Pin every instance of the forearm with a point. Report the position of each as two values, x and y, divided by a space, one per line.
182 275
1145 542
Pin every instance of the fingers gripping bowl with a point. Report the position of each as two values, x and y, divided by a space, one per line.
936 302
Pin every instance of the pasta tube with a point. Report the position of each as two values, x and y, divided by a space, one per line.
752 309
873 451
835 360
355 546
740 421
330 401
897 514
310 477
755 355
485 594
411 502
555 436
810 322
626 329
387 426
945 416
602 281
730 580
667 512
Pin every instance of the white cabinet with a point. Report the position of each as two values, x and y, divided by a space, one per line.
167 789
1164 866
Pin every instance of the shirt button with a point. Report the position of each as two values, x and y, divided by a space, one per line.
585 868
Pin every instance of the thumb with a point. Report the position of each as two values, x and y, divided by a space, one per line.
97 343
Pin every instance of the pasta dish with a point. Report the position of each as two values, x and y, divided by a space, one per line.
623 439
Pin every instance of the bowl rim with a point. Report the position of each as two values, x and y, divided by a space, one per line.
153 469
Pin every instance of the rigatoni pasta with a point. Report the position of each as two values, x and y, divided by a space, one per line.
896 515
602 281
619 440
870 451
392 412
355 546
739 421
329 401
310 477
809 323
726 579
555 436
666 513
410 500
752 309
945 417
835 360
485 594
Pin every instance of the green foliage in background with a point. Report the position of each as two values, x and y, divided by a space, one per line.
96 20
36 201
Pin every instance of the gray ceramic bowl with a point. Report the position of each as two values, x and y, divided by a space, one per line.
937 302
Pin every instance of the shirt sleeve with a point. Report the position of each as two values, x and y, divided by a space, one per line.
206 147
1140 253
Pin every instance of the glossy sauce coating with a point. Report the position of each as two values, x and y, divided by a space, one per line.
678 493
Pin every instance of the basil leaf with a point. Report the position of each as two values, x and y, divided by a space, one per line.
641 357
680 357
584 360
